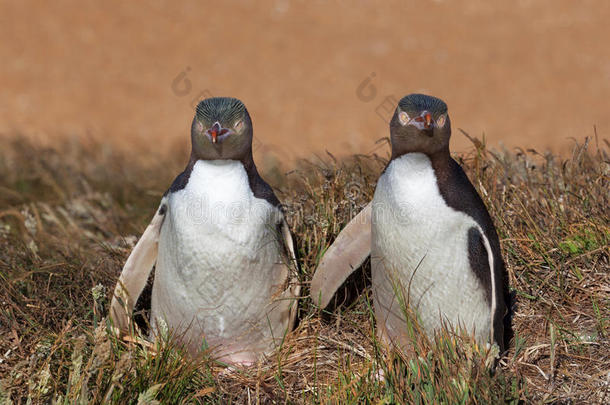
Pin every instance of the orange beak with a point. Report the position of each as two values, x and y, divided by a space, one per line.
424 119
428 120
214 131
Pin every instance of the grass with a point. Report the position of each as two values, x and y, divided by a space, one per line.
69 217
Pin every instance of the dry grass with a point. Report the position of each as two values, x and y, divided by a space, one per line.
68 218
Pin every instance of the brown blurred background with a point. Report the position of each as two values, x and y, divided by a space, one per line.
315 75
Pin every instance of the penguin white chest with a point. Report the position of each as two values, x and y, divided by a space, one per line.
420 251
217 253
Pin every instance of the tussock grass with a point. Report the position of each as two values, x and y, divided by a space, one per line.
69 217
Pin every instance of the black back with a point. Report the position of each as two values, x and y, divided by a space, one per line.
459 193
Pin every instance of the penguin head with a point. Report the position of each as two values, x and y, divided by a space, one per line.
221 129
420 124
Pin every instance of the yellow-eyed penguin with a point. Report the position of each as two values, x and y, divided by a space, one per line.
225 268
433 245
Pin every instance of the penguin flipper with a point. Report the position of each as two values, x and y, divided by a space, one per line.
136 270
294 287
346 254
482 260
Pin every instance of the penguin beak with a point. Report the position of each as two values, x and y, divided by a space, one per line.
423 122
216 132
427 120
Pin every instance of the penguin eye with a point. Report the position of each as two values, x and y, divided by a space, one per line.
440 121
403 118
239 125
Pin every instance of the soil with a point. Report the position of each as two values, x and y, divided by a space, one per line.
315 75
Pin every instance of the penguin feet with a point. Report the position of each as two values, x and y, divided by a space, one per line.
236 363
239 360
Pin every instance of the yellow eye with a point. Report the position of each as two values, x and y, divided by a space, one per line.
403 118
239 125
440 122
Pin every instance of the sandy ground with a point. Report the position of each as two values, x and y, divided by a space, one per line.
315 75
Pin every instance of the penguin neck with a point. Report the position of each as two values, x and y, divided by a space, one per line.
257 185
441 159
441 163
246 160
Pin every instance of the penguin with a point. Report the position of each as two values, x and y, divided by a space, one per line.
225 267
433 245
